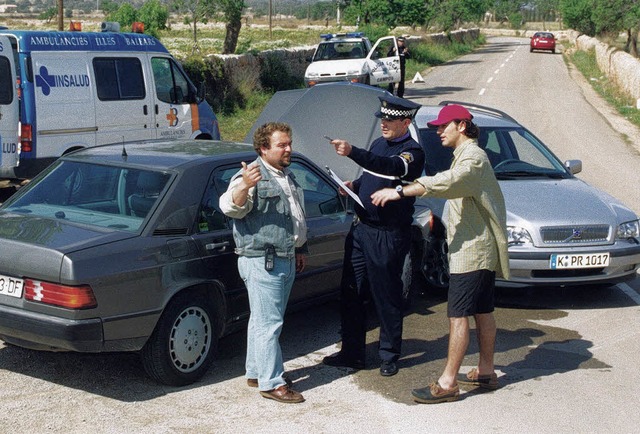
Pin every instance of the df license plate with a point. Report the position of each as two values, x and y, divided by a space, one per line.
595 260
11 286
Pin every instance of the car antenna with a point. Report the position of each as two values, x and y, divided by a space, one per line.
124 151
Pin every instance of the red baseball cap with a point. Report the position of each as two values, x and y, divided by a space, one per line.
453 112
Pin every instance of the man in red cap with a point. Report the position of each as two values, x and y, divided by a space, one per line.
476 234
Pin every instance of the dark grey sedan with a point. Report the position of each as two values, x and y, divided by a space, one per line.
124 248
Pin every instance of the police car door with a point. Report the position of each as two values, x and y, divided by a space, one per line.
175 109
384 62
9 110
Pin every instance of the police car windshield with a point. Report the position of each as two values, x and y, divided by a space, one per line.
340 50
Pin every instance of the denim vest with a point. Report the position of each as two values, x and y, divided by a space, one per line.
269 221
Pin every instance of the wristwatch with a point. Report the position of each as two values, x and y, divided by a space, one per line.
399 190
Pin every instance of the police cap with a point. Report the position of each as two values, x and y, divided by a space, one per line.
393 107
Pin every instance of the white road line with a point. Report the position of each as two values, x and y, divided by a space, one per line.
482 91
490 80
496 71
631 293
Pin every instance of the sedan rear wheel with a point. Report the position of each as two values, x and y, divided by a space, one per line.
183 345
435 263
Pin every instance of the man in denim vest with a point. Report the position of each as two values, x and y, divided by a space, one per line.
270 233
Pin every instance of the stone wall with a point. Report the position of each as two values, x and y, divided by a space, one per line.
620 67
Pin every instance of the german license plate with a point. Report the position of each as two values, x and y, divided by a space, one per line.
594 260
11 286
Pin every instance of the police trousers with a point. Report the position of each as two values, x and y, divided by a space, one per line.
372 270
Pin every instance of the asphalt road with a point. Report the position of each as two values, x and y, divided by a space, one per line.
566 357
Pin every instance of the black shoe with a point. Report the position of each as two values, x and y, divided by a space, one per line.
340 360
387 369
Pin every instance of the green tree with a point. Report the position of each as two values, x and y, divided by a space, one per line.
232 12
154 16
576 14
49 14
125 15
546 9
451 14
199 11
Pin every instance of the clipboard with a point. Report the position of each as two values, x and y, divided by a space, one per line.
342 185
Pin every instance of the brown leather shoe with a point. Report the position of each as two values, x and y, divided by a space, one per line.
473 378
283 394
253 382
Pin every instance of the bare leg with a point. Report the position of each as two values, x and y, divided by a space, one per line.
486 334
458 343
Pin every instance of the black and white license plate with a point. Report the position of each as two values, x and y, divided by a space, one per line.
594 260
11 286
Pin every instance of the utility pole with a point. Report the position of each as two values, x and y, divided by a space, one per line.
270 13
60 14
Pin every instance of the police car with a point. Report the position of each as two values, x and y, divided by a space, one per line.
350 57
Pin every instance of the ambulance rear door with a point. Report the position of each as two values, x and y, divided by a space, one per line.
9 110
176 108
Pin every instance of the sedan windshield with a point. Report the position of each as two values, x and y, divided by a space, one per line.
340 50
513 153
104 196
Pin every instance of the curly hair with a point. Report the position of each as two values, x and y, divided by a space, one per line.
263 134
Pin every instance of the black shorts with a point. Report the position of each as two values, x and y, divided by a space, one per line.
471 293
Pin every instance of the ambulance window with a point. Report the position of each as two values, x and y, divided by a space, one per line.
6 88
119 78
171 85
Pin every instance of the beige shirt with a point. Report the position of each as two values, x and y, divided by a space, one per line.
228 207
476 217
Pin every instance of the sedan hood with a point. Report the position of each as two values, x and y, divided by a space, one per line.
336 68
338 110
560 202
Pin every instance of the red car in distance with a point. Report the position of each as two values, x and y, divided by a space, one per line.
543 41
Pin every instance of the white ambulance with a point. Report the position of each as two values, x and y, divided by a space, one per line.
61 91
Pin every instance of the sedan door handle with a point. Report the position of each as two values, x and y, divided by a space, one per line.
218 246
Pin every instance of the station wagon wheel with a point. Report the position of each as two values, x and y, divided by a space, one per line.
435 263
183 345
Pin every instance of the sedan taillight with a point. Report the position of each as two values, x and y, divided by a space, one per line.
72 297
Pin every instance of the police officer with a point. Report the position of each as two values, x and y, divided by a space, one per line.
379 240
403 53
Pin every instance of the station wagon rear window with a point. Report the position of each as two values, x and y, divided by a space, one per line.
119 78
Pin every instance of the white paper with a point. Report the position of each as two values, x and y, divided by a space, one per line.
337 179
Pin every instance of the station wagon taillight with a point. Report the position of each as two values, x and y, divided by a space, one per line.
71 297
26 137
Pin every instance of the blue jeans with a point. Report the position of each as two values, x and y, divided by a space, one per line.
268 296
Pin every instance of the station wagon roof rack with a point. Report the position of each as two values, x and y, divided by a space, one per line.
488 110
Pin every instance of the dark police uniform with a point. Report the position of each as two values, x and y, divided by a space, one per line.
403 53
379 239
